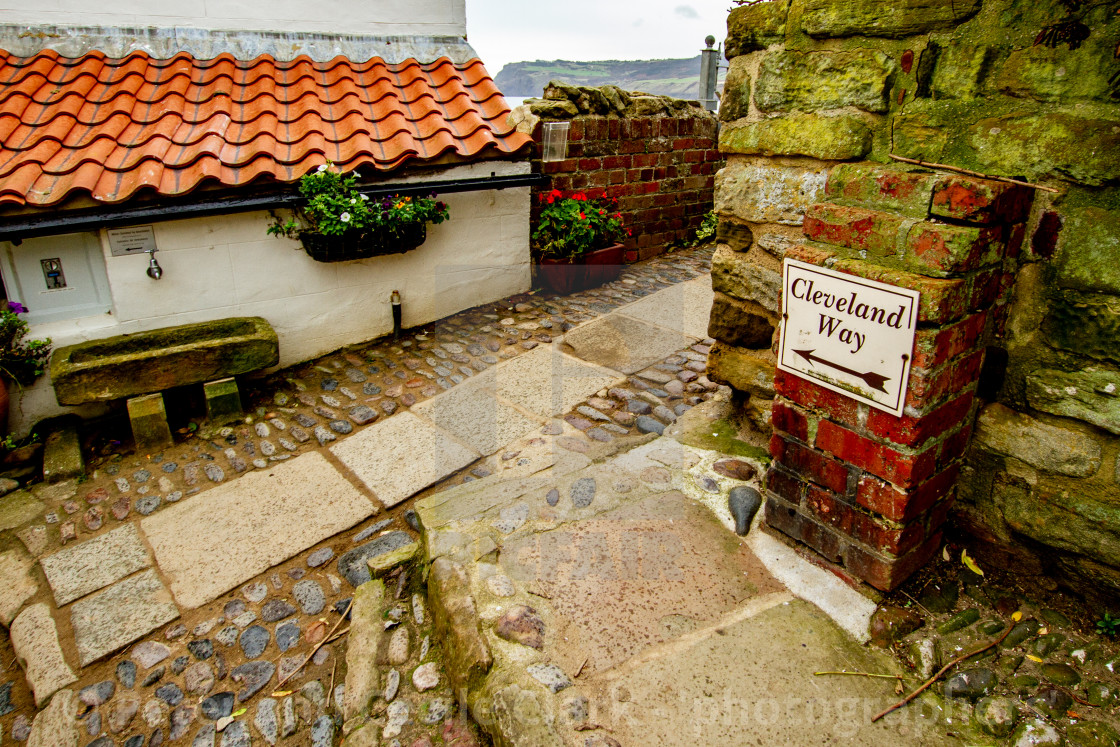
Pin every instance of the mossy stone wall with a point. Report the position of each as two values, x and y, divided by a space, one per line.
820 94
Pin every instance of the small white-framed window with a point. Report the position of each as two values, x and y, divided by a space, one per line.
56 277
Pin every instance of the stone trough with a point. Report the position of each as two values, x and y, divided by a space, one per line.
145 362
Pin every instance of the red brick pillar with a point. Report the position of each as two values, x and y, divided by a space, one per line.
866 489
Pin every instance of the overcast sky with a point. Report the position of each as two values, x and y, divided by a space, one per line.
501 31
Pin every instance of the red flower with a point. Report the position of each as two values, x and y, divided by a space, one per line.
579 196
602 212
556 194
582 216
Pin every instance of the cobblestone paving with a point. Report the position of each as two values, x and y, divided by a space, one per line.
210 677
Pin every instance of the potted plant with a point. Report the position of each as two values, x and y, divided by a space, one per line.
21 360
339 223
577 241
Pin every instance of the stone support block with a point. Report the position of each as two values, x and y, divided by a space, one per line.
813 81
150 430
223 400
62 451
1087 248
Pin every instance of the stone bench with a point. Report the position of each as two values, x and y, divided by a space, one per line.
147 362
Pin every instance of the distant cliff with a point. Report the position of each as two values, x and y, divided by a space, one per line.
679 78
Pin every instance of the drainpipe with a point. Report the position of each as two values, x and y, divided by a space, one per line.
395 299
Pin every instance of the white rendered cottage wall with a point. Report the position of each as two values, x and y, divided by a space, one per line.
226 266
360 17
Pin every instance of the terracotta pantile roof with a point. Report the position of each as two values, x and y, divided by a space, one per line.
111 127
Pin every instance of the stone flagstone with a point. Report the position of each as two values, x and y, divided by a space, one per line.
119 615
16 583
81 569
548 382
35 640
230 534
625 344
473 414
684 308
402 455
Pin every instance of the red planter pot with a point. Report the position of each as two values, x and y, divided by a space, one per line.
589 270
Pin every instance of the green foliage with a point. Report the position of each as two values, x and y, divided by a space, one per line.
1108 625
572 226
335 207
707 230
21 360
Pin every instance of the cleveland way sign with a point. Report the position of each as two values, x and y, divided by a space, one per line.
851 335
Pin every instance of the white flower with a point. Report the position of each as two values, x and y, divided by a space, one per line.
365 198
353 200
322 168
345 217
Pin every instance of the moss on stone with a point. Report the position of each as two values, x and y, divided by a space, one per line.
811 81
895 19
836 138
754 27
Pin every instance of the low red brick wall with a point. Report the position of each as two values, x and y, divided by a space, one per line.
661 169
866 489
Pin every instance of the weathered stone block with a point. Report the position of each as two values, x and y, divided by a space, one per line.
1074 146
754 27
1091 394
737 324
961 68
1046 447
62 450
879 187
831 18
749 371
827 138
456 621
17 585
150 430
545 109
367 633
1088 249
872 231
1058 73
223 400
736 236
809 81
1067 520
769 193
127 365
1085 323
741 276
736 100
56 725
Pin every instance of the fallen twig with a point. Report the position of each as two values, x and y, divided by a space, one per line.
581 666
967 172
334 666
538 594
865 674
318 646
915 601
336 636
940 672
590 727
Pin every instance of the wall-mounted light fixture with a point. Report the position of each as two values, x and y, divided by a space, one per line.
155 272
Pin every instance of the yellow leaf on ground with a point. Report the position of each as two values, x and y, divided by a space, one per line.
1034 658
1016 616
970 564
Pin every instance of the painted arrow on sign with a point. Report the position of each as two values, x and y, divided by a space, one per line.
874 380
